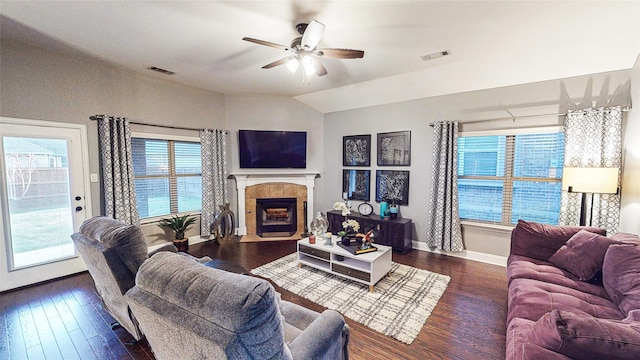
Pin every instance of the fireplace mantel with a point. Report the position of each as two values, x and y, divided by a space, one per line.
243 180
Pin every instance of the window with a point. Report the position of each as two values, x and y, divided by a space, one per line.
503 178
168 176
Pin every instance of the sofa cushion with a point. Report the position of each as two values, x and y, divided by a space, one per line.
583 254
540 241
621 276
546 272
587 337
530 299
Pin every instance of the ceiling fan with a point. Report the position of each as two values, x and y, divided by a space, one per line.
303 50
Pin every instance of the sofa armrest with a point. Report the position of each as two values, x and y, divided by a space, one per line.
165 247
327 337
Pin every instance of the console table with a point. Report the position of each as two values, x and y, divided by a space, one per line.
393 232
366 268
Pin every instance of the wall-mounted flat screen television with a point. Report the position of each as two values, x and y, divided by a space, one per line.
264 149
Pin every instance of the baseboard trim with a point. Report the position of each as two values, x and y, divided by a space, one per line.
466 254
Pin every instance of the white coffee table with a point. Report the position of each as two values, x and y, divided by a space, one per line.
366 268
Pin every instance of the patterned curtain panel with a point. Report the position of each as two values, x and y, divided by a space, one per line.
593 138
214 176
443 227
117 169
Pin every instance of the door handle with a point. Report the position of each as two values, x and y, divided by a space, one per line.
78 198
78 208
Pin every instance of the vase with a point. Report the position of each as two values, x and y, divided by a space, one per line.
383 207
223 225
393 211
319 224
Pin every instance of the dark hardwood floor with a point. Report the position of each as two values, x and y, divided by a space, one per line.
63 319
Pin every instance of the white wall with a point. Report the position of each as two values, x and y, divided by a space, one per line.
630 204
44 85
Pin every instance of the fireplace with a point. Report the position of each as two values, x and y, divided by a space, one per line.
252 186
276 217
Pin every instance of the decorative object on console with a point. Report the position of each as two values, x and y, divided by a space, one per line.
356 184
392 185
394 148
223 225
365 209
179 224
589 181
339 205
356 150
393 211
383 208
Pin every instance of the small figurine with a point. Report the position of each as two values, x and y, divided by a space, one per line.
367 239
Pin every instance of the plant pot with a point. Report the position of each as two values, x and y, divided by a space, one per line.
182 245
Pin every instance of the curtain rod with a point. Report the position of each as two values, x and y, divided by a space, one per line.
96 117
513 117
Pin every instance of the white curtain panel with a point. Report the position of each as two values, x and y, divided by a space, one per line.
443 227
118 183
214 176
593 138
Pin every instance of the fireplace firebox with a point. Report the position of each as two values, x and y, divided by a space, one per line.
276 217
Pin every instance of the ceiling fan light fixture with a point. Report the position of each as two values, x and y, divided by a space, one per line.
292 65
309 65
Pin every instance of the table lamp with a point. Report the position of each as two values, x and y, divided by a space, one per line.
589 181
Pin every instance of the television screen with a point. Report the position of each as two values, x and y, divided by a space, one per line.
263 149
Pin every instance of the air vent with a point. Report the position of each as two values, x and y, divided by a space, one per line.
434 55
162 71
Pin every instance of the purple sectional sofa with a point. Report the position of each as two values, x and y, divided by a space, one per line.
573 293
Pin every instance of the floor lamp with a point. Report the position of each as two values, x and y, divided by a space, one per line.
589 181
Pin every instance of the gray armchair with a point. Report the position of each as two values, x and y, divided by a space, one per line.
190 311
113 251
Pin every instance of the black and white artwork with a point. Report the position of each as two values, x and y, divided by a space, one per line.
392 186
394 148
356 150
356 184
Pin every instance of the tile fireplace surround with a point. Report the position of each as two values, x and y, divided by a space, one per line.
251 186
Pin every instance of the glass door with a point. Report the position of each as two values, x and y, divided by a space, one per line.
44 199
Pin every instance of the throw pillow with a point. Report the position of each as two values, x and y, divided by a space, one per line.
583 254
540 241
587 337
621 276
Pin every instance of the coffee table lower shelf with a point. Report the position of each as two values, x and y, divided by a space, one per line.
366 268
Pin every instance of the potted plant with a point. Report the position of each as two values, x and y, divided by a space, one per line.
179 224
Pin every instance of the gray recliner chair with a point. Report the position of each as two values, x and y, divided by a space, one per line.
190 311
113 252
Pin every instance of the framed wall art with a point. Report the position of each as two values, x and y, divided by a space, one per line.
392 186
394 148
356 150
356 184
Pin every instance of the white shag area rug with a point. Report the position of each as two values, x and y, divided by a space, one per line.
399 307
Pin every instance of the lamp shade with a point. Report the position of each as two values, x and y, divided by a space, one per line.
590 180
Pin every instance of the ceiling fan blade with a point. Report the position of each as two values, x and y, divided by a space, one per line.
320 69
265 43
312 35
341 53
277 62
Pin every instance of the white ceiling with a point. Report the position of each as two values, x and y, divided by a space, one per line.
492 44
